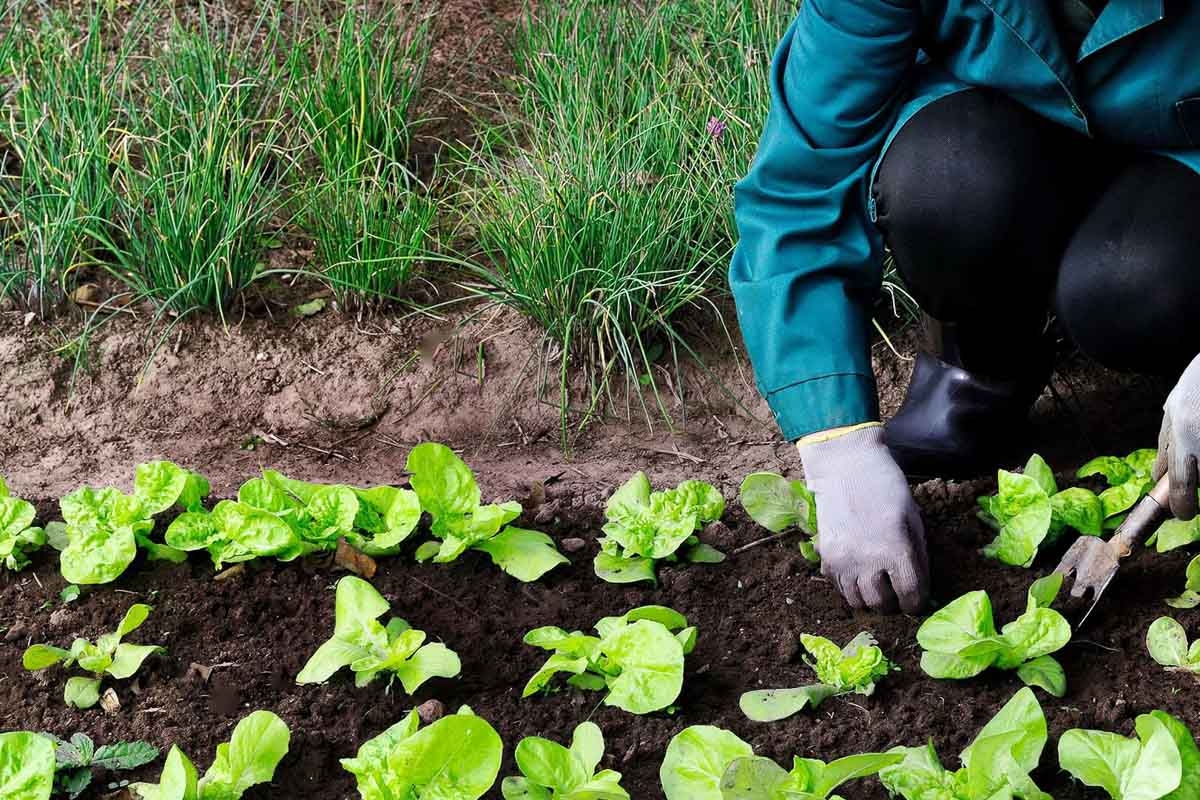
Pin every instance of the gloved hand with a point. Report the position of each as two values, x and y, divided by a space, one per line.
870 535
1179 442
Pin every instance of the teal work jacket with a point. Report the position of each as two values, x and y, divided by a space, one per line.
847 76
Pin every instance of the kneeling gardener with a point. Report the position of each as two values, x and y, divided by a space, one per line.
1021 159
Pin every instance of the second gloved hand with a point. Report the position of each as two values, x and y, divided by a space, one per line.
1179 442
871 538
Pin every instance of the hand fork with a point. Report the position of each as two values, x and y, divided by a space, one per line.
1095 561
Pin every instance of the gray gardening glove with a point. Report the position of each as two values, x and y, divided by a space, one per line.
1179 442
872 541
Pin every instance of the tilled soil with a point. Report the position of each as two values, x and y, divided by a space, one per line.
257 630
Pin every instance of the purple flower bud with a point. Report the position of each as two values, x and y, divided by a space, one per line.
716 128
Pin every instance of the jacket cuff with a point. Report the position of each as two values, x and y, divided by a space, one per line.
824 402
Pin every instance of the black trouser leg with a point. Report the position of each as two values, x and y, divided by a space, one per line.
1128 289
977 198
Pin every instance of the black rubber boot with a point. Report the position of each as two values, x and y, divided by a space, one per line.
957 423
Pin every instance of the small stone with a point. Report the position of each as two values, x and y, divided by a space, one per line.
15 632
573 545
60 618
110 702
431 711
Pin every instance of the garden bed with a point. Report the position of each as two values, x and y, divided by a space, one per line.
257 629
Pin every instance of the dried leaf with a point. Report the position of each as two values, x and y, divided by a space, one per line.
353 560
110 702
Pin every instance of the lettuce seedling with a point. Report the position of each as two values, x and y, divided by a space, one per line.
456 757
108 655
1162 762
362 643
77 758
779 505
696 761
447 489
995 765
18 535
644 527
1174 534
1029 511
853 669
1190 598
1168 645
638 657
550 771
235 532
26 766
105 527
758 778
1129 480
960 640
249 758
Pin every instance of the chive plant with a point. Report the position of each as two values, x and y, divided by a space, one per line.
584 205
357 86
201 186
63 123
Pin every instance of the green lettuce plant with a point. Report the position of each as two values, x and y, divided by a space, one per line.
249 758
370 649
779 505
638 657
1029 511
758 778
104 528
374 520
1168 645
644 527
1162 763
456 757
78 758
550 771
26 766
18 536
107 656
234 532
960 640
696 761
1190 598
995 766
853 669
447 490
1129 480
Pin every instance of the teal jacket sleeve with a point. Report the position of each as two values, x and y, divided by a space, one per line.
808 265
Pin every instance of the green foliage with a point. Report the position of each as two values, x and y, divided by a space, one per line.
644 527
1030 511
63 121
371 649
809 779
960 640
1168 645
104 528
456 757
550 771
201 177
447 490
1162 763
696 761
357 83
1190 598
26 766
1129 480
108 655
779 505
18 535
853 669
79 757
995 765
638 657
259 742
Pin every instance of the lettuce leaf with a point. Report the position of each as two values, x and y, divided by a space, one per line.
26 766
18 536
696 761
1146 768
549 770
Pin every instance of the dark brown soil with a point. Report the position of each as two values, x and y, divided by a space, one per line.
260 628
